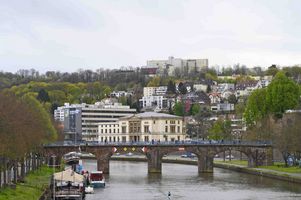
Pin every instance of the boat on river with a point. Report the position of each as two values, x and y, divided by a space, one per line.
72 158
68 185
97 179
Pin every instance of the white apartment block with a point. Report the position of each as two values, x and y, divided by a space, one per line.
146 127
93 114
200 87
156 102
221 107
153 91
120 94
222 87
185 65
59 114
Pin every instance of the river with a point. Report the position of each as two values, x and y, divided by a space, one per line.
130 180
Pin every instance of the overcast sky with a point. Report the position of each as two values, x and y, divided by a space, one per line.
66 35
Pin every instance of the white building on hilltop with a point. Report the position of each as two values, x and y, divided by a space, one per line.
185 65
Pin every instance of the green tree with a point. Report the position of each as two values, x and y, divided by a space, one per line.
272 70
203 124
220 130
256 107
154 82
195 109
43 96
57 96
122 100
107 91
239 109
282 94
232 99
178 109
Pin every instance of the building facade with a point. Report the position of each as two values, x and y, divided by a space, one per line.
143 127
153 103
184 65
92 115
59 114
72 124
81 120
154 91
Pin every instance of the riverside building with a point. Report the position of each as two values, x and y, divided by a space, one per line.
143 127
81 120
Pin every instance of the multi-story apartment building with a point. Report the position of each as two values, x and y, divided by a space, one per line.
147 127
120 94
185 65
59 114
90 116
154 91
223 107
72 124
153 102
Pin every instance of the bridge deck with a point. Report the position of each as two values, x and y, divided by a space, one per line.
190 143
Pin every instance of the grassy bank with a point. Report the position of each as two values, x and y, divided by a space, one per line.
31 189
234 162
278 166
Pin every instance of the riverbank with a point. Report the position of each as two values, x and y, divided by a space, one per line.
279 175
31 189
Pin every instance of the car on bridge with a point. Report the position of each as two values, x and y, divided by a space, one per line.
188 155
229 156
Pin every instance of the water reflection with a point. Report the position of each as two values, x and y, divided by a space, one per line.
130 180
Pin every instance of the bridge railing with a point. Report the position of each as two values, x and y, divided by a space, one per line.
155 143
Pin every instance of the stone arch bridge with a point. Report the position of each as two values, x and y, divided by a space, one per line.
257 153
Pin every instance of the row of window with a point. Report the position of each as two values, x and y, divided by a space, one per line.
89 126
137 129
87 121
172 129
102 116
108 111
109 131
172 122
113 139
109 125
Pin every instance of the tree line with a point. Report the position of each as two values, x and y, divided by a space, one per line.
272 113
123 78
24 127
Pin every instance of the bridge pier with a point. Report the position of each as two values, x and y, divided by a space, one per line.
251 162
103 164
54 161
205 164
154 161
269 157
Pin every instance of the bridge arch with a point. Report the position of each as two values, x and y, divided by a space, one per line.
257 154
